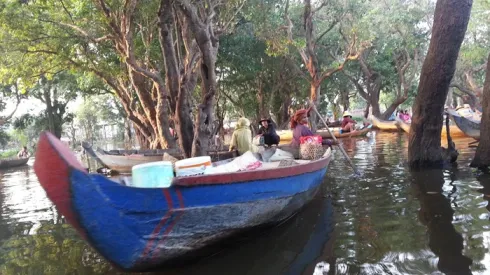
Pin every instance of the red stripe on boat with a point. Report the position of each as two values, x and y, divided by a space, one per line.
171 226
52 166
155 232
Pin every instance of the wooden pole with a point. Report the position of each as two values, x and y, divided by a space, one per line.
335 139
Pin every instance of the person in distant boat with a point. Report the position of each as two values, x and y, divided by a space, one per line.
298 125
268 131
401 115
407 117
23 153
393 115
348 123
241 138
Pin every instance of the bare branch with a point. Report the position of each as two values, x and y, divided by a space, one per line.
334 23
225 27
67 12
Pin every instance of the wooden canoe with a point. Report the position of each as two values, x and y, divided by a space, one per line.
286 137
454 130
141 228
13 162
383 125
336 132
469 126
122 161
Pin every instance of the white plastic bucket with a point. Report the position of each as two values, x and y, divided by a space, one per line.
157 174
192 166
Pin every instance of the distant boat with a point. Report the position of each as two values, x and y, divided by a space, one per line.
468 125
454 130
383 125
142 228
337 134
287 135
13 162
122 161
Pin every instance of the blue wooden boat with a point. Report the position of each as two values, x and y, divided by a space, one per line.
470 126
142 228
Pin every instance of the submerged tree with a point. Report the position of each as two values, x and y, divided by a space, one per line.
450 23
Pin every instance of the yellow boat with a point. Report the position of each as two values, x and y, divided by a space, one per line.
337 134
383 125
454 130
287 135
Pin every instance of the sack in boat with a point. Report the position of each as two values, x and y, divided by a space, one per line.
311 148
172 159
280 155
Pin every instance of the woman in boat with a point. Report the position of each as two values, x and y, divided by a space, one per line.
242 137
298 125
348 123
268 131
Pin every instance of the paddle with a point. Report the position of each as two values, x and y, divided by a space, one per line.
335 139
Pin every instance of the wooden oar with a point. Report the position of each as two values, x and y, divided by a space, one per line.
335 139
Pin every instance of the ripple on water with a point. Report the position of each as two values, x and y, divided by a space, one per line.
383 222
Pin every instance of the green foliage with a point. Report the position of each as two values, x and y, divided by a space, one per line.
96 111
8 154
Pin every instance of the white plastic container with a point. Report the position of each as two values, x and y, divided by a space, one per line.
192 166
157 174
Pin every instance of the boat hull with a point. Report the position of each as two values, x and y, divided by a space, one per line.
141 228
337 134
454 130
8 163
121 162
383 125
470 127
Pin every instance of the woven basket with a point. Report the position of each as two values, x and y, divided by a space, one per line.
311 151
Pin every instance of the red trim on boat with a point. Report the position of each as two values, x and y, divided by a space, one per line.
174 222
164 219
53 165
261 174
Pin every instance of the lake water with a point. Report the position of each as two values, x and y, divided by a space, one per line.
387 221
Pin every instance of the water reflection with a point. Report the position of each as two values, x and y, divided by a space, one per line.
388 221
436 213
484 180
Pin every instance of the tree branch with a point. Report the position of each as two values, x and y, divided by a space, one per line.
334 23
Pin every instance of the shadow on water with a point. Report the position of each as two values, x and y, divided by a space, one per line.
437 215
388 221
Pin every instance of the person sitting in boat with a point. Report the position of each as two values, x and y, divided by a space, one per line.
241 138
401 115
348 124
393 115
406 117
298 125
23 153
268 131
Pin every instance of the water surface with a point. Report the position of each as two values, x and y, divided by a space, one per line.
388 221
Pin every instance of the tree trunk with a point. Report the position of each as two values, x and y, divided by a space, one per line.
366 111
315 97
374 103
450 23
128 136
482 155
344 99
